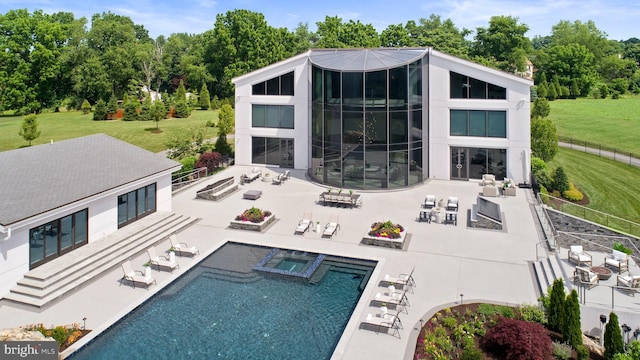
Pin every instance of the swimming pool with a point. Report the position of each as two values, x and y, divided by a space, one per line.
223 309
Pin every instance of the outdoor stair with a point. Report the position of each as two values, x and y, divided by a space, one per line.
546 271
51 281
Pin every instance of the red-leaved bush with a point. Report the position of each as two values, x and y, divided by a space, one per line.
518 340
210 160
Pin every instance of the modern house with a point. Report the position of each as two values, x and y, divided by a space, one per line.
56 198
384 118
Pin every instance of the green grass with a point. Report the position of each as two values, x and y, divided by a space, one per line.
612 123
611 186
73 124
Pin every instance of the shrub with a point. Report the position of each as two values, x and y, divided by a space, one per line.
583 352
561 350
618 246
560 180
471 354
573 194
130 111
86 107
100 112
182 109
188 163
59 333
532 313
571 330
222 145
253 215
555 312
613 337
210 160
518 339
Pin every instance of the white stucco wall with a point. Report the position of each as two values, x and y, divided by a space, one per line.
103 220
302 112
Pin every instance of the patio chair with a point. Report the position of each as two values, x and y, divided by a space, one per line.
285 175
331 228
398 299
182 248
384 322
585 276
629 283
429 202
131 276
404 280
304 224
488 179
277 180
156 260
617 260
579 256
490 191
452 203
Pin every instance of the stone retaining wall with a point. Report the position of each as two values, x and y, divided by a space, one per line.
218 190
385 242
246 225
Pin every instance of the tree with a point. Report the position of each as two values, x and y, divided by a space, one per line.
226 122
222 145
555 313
541 108
182 106
29 130
544 138
100 113
130 105
86 107
112 107
613 343
504 43
146 109
560 180
185 142
571 331
203 101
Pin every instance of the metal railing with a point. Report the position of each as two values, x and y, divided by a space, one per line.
181 179
600 150
596 216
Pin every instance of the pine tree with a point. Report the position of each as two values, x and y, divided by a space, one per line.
572 332
159 111
181 92
112 107
100 113
560 180
613 343
222 146
29 130
203 101
146 110
130 109
86 107
226 121
555 314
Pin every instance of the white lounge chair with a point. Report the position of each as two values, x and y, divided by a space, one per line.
585 276
331 228
430 201
161 262
133 277
579 256
182 248
398 299
452 203
384 322
278 179
304 224
404 280
617 260
630 283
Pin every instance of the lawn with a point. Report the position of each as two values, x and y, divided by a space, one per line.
613 123
611 186
68 125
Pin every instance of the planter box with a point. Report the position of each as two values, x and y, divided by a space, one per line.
385 242
247 225
217 190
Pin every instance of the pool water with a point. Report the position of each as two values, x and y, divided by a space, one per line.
208 314
293 265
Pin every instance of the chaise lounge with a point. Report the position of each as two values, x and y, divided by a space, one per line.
384 322
182 248
164 262
304 224
404 280
331 228
131 276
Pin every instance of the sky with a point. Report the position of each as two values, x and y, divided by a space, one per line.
617 18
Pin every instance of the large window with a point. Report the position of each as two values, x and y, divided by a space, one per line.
478 123
136 204
280 85
272 151
57 237
465 87
272 116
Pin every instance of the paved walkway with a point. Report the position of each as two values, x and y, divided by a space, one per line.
627 159
483 265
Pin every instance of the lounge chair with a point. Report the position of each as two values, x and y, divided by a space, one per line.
398 299
158 261
585 276
384 322
429 202
133 277
402 280
304 224
630 283
452 203
331 228
579 256
285 175
182 248
277 180
617 260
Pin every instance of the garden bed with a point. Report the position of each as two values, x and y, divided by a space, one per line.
253 219
385 234
217 190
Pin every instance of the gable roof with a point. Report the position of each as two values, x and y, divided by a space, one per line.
365 59
40 178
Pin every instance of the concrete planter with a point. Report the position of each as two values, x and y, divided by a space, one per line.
385 242
247 225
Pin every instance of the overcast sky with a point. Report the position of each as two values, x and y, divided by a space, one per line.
617 18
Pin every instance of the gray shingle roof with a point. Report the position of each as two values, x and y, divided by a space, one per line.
365 59
40 178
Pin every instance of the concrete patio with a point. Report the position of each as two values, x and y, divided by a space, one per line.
452 263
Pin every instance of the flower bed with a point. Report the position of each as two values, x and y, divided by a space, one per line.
253 219
386 234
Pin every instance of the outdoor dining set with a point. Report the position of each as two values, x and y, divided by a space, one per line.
440 211
340 199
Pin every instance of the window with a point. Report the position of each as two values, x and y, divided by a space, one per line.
465 87
272 116
478 123
136 204
272 151
57 237
280 85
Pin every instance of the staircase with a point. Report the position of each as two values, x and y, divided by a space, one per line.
51 281
546 271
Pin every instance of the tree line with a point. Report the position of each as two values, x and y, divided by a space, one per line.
55 60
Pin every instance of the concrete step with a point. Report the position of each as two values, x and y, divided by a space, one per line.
546 271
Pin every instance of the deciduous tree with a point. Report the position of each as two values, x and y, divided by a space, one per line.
29 130
544 138
226 121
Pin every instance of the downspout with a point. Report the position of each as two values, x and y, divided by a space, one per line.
6 231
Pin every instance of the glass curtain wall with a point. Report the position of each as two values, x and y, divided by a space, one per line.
366 127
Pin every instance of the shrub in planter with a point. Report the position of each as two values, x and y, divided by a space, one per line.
385 229
573 194
253 215
518 339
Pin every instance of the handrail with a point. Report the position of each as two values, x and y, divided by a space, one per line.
584 287
636 258
188 178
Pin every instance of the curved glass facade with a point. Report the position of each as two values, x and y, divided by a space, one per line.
366 127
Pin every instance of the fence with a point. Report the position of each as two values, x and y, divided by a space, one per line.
181 179
601 150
